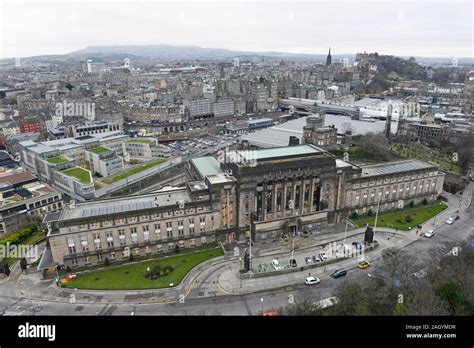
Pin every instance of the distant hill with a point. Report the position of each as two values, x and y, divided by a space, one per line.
187 52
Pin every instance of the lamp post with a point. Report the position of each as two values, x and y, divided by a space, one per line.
377 212
261 300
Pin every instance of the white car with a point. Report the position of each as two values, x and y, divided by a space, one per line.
276 265
311 280
323 256
450 221
429 234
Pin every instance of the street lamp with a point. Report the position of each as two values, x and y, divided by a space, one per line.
261 300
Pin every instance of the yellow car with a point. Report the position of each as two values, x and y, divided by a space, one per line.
363 264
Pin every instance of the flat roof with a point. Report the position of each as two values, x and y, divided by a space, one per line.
278 152
395 167
207 166
124 204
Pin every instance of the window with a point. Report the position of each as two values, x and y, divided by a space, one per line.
157 228
100 257
97 242
134 235
169 234
87 260
112 255
110 239
145 228
136 251
85 245
146 235
74 262
71 245
122 237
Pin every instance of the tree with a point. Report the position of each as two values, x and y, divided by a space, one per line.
425 201
369 213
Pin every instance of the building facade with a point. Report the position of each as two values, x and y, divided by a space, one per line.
263 194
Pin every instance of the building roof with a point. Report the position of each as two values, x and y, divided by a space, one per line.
279 152
207 166
395 167
17 178
124 204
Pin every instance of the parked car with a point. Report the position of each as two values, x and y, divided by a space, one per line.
276 265
293 263
363 264
429 234
358 245
323 256
450 221
338 273
311 280
308 260
316 259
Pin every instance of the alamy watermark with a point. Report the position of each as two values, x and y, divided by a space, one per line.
18 251
84 109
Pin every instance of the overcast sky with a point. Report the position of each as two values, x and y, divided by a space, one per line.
425 28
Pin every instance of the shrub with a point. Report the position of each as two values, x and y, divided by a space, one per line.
176 249
412 204
17 237
369 213
425 201
106 262
408 218
130 258
354 215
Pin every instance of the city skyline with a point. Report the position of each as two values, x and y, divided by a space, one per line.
308 28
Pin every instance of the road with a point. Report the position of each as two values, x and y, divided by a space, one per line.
216 302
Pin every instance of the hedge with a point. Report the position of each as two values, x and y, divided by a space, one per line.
19 236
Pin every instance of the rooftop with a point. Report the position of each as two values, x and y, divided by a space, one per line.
124 204
279 152
82 175
395 167
57 160
99 150
207 166
140 140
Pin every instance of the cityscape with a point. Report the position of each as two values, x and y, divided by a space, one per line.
144 175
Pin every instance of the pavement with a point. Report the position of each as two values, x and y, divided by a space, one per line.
214 288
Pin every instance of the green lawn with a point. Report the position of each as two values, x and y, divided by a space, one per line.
130 277
81 174
99 150
140 141
57 160
396 218
133 171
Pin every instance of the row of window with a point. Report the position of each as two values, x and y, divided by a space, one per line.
141 218
131 236
394 192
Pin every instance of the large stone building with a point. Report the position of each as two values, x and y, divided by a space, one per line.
272 192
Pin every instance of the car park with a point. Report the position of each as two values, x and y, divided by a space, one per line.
338 273
311 280
429 234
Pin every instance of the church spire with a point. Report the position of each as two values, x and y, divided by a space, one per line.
328 59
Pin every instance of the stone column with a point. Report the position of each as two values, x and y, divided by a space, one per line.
311 195
275 198
302 191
